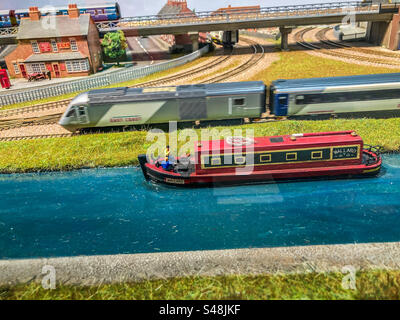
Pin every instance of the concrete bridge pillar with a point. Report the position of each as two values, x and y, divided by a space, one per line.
194 36
284 37
385 33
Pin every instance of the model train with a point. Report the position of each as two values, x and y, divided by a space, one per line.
101 12
224 38
366 95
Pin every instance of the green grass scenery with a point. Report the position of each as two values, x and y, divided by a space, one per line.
122 148
374 284
298 65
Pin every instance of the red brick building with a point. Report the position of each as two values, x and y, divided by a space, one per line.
181 41
237 10
67 46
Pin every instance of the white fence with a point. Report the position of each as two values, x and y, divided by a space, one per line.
96 81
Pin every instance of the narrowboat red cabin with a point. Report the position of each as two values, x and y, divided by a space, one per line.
238 160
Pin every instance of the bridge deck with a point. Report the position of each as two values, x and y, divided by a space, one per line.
281 16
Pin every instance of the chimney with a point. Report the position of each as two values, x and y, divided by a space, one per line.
34 13
73 11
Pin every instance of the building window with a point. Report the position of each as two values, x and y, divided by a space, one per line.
36 67
77 65
74 46
16 68
291 156
35 47
54 45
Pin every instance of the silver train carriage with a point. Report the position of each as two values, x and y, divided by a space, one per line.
139 106
375 95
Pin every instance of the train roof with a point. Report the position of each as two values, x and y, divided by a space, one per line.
170 92
55 8
299 84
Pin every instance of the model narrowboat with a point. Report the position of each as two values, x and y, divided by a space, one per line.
238 160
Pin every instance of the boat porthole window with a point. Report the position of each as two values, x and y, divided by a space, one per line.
316 155
240 160
291 156
215 161
265 158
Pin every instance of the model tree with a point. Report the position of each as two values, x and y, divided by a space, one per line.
114 44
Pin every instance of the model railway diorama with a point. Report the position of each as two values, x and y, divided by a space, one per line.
365 95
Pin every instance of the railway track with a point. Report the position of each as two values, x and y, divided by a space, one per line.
321 36
327 50
257 55
43 136
24 122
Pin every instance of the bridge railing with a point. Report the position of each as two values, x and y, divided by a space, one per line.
231 15
95 81
8 32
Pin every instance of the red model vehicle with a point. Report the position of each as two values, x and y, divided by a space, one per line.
4 79
238 160
36 76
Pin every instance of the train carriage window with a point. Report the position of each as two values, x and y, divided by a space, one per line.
71 113
300 99
82 111
334 97
239 102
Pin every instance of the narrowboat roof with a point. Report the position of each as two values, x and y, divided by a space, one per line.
299 84
302 140
170 92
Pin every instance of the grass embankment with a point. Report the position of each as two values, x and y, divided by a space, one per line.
375 284
297 65
151 77
122 149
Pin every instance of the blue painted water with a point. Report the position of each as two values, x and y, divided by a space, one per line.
112 211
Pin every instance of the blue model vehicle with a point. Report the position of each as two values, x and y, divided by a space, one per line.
100 12
373 94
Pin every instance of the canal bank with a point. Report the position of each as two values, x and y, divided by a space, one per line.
122 148
109 225
98 270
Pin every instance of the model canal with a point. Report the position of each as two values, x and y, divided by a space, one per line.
113 211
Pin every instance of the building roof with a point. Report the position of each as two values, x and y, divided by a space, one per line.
175 7
6 51
231 9
169 10
55 57
64 26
